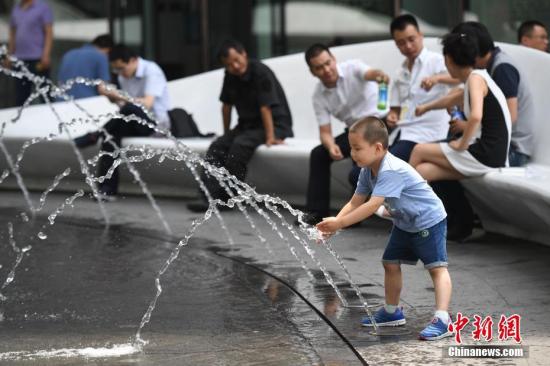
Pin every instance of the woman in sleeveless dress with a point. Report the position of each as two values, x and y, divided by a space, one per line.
486 138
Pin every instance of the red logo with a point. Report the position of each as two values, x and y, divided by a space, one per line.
508 327
458 325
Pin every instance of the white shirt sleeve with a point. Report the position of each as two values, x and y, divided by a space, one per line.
321 111
359 69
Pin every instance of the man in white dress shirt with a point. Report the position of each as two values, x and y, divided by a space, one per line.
347 91
422 77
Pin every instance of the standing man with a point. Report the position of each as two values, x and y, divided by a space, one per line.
534 34
145 82
420 79
264 117
89 61
30 40
347 91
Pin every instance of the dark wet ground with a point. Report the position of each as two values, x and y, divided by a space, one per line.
84 286
88 286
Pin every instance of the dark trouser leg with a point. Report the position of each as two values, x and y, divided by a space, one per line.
241 151
516 158
119 129
216 155
402 149
318 189
232 151
24 87
460 215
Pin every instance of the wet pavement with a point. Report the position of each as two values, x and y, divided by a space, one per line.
86 285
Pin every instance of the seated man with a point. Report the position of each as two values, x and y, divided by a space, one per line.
511 79
145 82
533 34
264 117
349 92
420 79
89 61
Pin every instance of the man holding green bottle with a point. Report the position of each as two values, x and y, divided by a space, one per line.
347 91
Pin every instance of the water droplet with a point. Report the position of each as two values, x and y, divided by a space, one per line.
42 236
24 217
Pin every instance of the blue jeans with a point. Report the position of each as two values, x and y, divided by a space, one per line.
428 245
517 159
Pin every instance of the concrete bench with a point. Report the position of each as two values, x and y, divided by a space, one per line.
499 198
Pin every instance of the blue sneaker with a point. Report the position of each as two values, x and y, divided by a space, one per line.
435 330
385 319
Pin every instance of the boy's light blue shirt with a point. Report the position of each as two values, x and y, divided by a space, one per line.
410 200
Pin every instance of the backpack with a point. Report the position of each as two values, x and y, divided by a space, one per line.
182 124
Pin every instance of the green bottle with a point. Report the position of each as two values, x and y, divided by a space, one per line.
382 96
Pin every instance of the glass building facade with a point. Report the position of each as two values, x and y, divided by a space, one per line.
182 35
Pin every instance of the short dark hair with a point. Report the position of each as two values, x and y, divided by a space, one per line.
401 22
526 28
226 45
373 129
480 33
461 48
315 50
122 52
103 41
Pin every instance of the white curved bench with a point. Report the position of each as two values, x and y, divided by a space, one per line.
511 201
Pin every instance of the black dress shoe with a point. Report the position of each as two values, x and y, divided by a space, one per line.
88 139
310 218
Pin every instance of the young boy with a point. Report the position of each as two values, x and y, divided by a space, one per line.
420 225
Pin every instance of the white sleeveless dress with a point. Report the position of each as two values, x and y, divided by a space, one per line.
489 151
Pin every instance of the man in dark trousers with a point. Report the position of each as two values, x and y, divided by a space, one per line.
264 117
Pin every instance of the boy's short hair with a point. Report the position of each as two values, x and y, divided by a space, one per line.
315 50
374 130
401 22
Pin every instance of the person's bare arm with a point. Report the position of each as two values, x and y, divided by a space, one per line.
513 108
147 101
393 117
48 42
11 41
325 133
429 82
477 91
267 120
11 47
354 211
226 116
452 98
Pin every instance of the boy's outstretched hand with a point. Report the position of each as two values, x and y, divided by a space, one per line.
329 225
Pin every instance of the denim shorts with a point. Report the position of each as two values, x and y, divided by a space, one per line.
429 245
